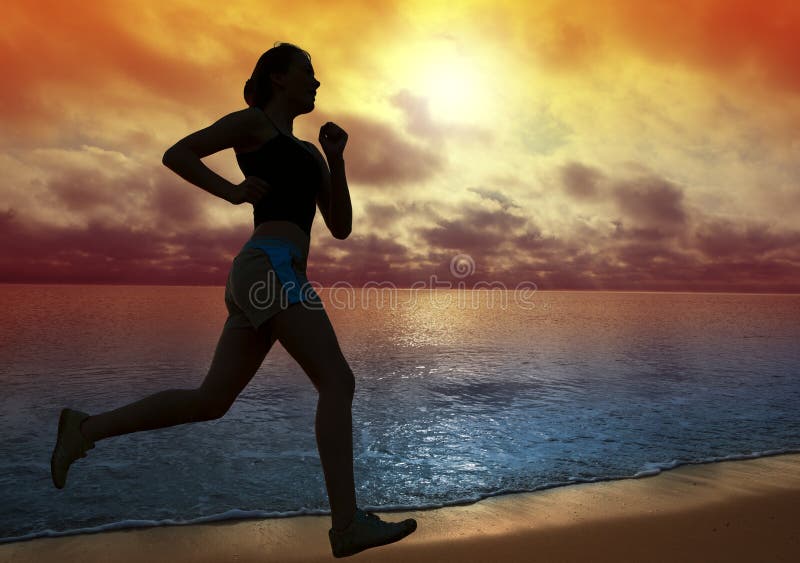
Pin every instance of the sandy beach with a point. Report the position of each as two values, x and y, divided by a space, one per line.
746 510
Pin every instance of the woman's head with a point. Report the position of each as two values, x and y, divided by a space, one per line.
285 67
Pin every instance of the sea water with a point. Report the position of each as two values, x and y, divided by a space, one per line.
456 399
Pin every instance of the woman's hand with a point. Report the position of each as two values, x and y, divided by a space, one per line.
332 138
250 190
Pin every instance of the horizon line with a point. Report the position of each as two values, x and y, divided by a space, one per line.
382 288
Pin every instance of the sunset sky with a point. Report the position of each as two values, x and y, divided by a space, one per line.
598 144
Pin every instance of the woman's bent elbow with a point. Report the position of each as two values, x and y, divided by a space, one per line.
171 155
167 158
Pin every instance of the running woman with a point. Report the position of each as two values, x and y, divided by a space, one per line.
267 294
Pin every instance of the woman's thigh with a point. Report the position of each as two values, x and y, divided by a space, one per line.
308 336
239 354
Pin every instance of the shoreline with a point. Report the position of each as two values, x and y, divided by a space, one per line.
733 510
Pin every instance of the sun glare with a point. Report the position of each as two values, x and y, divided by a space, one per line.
452 83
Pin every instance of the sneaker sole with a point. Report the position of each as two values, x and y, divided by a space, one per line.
61 423
411 529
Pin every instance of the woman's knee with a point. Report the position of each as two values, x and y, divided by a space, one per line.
210 406
338 381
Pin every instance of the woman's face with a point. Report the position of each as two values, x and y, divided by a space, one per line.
299 82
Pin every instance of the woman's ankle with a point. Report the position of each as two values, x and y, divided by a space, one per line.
347 525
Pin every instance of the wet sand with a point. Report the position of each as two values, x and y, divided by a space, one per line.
728 511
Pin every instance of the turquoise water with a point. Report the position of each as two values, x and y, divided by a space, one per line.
453 402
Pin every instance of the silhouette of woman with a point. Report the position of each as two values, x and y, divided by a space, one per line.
267 294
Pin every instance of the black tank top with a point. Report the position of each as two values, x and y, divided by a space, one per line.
294 175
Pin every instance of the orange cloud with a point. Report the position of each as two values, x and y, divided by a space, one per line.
718 35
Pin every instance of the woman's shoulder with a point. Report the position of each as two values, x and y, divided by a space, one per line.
258 120
259 129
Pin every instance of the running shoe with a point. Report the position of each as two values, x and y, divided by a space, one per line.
368 530
70 445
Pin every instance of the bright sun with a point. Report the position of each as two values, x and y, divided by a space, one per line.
452 83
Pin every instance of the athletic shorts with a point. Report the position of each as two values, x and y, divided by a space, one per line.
267 276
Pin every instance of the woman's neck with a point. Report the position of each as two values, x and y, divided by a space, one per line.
281 117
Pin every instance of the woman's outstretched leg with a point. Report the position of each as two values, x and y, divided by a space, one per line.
308 337
238 355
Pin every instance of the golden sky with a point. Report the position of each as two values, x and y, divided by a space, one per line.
603 144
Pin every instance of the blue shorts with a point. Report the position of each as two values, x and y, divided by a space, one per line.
267 276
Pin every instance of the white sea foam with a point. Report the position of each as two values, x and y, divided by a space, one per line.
235 514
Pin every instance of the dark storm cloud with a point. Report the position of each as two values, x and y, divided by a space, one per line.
724 238
650 200
580 181
475 229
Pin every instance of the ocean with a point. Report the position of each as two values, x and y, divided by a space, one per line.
459 396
